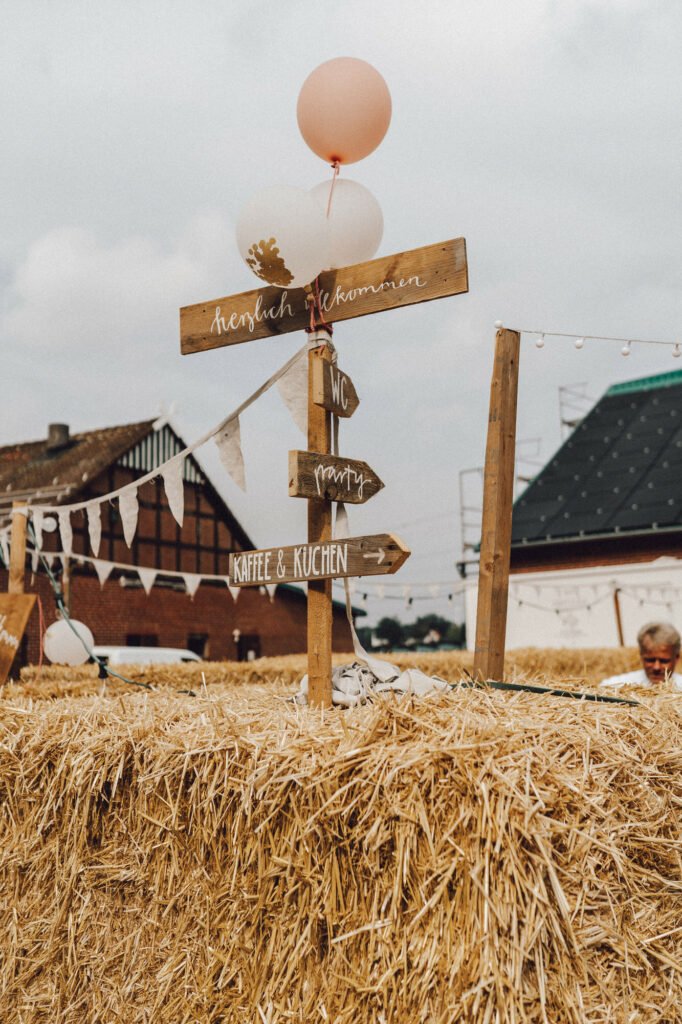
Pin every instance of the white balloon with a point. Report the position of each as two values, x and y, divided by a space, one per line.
63 647
356 223
282 234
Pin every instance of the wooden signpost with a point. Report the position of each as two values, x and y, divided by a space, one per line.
334 390
15 610
312 475
374 555
419 275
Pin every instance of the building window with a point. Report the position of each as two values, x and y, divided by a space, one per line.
198 644
142 640
248 647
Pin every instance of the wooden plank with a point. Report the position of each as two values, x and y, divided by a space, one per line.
14 614
498 490
372 555
319 605
314 475
334 390
17 552
405 278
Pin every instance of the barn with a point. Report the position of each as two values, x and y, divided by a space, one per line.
597 534
216 623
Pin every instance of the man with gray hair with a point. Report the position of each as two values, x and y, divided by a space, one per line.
659 649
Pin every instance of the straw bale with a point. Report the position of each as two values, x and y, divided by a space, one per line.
231 857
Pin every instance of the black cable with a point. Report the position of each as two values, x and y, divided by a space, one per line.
529 688
104 670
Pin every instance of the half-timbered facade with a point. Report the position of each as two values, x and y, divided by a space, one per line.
63 469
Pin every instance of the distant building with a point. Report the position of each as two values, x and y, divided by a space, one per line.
597 535
64 468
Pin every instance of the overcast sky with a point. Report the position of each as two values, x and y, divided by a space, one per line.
548 134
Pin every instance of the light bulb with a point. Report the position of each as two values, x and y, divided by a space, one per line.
677 350
625 351
579 342
498 324
540 343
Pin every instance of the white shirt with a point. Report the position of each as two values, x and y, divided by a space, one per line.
639 678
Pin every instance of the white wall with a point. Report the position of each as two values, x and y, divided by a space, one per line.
575 607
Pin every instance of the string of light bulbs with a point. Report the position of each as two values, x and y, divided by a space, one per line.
580 339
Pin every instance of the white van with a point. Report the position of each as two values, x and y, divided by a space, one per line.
144 655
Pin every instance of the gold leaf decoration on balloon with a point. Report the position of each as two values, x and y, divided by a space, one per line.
266 263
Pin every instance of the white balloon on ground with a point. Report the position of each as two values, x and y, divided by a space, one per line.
282 236
63 647
356 223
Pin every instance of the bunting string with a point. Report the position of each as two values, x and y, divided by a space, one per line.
163 468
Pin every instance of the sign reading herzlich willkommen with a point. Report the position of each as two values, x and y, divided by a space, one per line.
402 279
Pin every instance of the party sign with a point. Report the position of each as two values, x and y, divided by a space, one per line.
406 278
316 475
14 613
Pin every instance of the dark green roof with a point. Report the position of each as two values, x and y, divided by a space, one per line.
619 472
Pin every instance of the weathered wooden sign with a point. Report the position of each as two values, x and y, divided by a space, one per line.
14 613
314 475
374 555
403 279
334 390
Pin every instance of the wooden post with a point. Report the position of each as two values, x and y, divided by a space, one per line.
17 555
319 529
619 621
498 496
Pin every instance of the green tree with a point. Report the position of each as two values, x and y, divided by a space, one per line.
425 623
390 630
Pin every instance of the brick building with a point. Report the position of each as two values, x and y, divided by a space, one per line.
64 469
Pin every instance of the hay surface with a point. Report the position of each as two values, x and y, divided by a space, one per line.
572 668
233 858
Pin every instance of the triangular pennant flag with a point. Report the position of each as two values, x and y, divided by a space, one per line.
172 474
128 507
49 558
147 577
94 526
381 591
103 570
37 516
271 588
66 531
34 560
293 387
229 443
341 524
234 591
192 581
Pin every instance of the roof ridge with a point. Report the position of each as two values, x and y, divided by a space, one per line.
659 380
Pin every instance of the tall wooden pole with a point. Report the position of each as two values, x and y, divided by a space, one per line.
498 496
319 529
17 555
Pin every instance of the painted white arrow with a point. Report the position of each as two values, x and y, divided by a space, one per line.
379 555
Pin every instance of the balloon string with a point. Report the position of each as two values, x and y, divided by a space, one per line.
318 305
335 175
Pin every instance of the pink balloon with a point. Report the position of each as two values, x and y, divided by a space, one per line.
344 110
